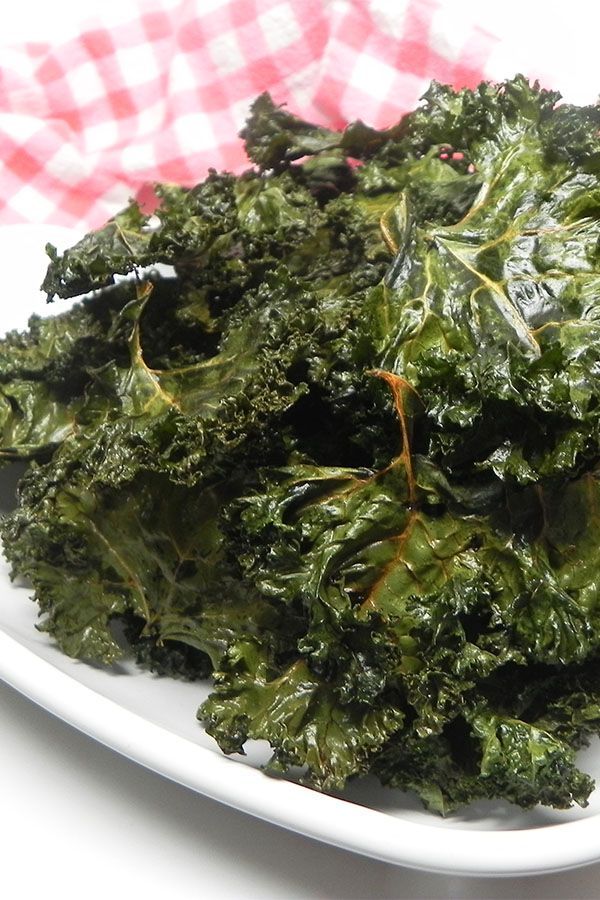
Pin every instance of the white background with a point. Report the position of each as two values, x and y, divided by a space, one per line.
77 820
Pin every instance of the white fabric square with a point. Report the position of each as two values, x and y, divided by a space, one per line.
371 76
301 85
279 27
182 76
137 157
138 64
32 204
194 132
390 17
101 136
226 54
449 33
20 128
85 83
150 119
68 165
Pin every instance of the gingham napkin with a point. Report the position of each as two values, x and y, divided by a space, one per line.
85 125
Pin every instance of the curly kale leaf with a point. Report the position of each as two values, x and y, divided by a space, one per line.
117 248
137 555
494 757
301 716
527 765
274 136
492 318
209 445
384 539
410 608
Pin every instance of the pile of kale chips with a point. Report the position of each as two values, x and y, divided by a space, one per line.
344 457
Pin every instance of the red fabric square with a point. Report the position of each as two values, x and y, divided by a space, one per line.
99 43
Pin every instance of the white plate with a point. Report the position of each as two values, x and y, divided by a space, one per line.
152 721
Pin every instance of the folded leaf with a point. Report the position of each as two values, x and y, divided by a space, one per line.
330 431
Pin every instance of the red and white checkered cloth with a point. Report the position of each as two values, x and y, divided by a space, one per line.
84 125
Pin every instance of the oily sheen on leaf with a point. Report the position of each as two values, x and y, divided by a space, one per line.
328 433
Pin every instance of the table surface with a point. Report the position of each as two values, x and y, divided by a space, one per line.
80 821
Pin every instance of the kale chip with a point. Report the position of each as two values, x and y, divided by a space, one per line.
343 455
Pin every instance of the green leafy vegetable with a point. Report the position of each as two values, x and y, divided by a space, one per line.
343 455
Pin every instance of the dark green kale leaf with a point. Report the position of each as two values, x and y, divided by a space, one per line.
495 757
116 249
301 716
409 608
209 445
527 765
493 318
274 136
46 371
150 554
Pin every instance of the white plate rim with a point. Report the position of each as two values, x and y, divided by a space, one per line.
325 818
